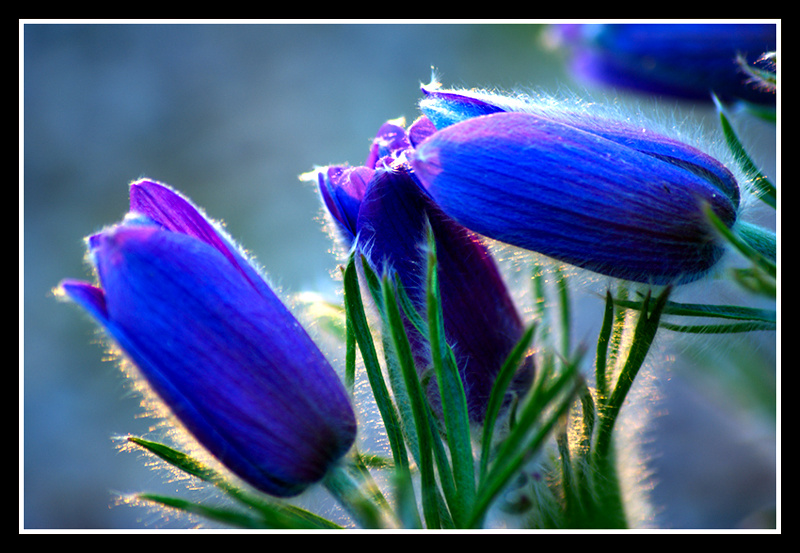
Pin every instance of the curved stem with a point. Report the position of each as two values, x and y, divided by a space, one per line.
763 241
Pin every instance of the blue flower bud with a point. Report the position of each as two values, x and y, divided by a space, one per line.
681 60
216 344
590 191
480 320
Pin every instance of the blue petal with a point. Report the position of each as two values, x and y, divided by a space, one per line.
342 190
447 107
237 370
169 209
687 61
575 196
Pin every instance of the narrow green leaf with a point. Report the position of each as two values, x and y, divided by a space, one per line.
357 319
731 328
748 318
644 334
768 193
179 459
603 341
418 404
497 397
604 507
409 310
224 515
546 405
453 396
564 311
350 359
374 461
394 373
272 514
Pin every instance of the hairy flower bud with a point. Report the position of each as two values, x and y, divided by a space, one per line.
594 192
682 60
216 344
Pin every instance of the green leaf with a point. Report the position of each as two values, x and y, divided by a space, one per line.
453 396
603 342
179 459
754 243
357 320
497 397
601 504
767 191
748 318
643 336
545 406
418 403
269 514
224 515
719 329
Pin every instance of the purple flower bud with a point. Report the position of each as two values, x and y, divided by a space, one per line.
216 343
480 320
682 60
596 193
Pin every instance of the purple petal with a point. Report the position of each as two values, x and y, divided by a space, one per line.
480 319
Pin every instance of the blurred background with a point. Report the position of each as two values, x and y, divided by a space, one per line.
230 115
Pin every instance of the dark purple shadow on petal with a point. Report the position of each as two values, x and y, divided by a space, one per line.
480 319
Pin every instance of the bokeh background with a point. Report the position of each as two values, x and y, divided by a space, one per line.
231 114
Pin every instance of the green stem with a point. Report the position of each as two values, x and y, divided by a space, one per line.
351 496
759 239
609 509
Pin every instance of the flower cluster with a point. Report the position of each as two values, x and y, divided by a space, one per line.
606 194
383 213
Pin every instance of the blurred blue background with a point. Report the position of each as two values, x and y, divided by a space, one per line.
231 115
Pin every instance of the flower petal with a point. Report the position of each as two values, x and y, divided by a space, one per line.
574 195
480 320
239 372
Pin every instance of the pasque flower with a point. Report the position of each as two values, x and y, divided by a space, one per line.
684 60
216 343
593 191
381 210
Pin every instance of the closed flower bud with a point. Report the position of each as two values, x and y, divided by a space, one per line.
216 344
594 192
682 60
480 320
